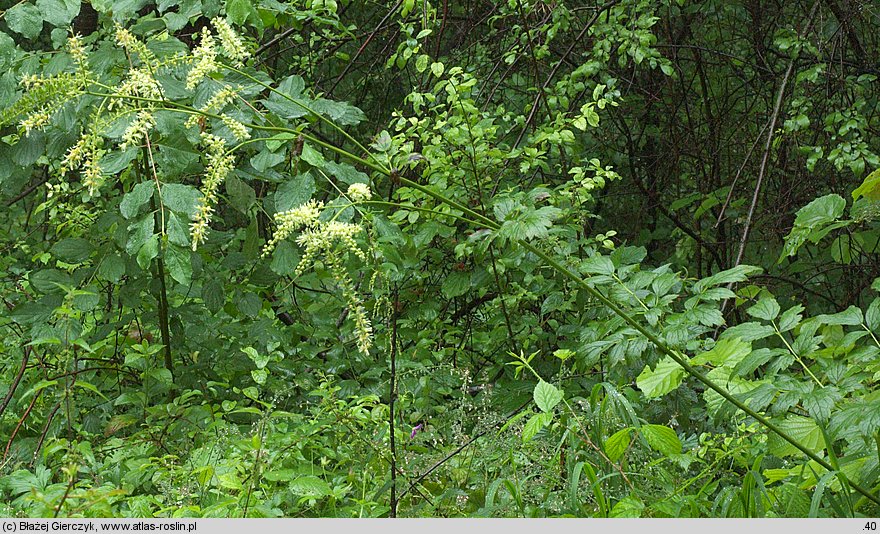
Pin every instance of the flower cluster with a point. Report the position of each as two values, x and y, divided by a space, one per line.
77 51
292 220
205 58
238 129
214 104
139 84
36 120
137 130
359 192
233 48
217 168
324 240
85 155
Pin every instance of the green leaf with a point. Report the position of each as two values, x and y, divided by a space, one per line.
178 233
241 195
791 318
25 19
59 13
870 187
851 316
181 198
213 295
617 443
546 396
312 156
310 486
535 424
872 315
285 258
598 264
295 192
148 251
803 429
727 352
72 250
736 274
239 11
137 197
630 506
767 308
666 377
112 268
662 439
179 263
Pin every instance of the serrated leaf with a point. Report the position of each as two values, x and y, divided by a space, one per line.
59 12
628 507
767 308
295 192
662 439
803 430
546 396
148 251
598 265
134 199
535 424
870 187
310 486
72 250
179 263
872 315
851 316
727 352
181 198
664 378
617 444
791 318
25 19
736 274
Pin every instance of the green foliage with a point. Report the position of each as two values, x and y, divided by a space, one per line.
248 276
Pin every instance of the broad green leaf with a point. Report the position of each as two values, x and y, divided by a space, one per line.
727 352
820 211
310 486
294 192
630 506
179 263
72 250
791 318
148 251
750 331
617 443
535 424
736 274
803 429
851 316
241 195
25 19
662 379
59 12
178 233
870 187
181 198
662 439
872 315
137 197
546 396
598 264
767 308
285 258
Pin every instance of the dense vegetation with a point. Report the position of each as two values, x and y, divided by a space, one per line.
399 258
